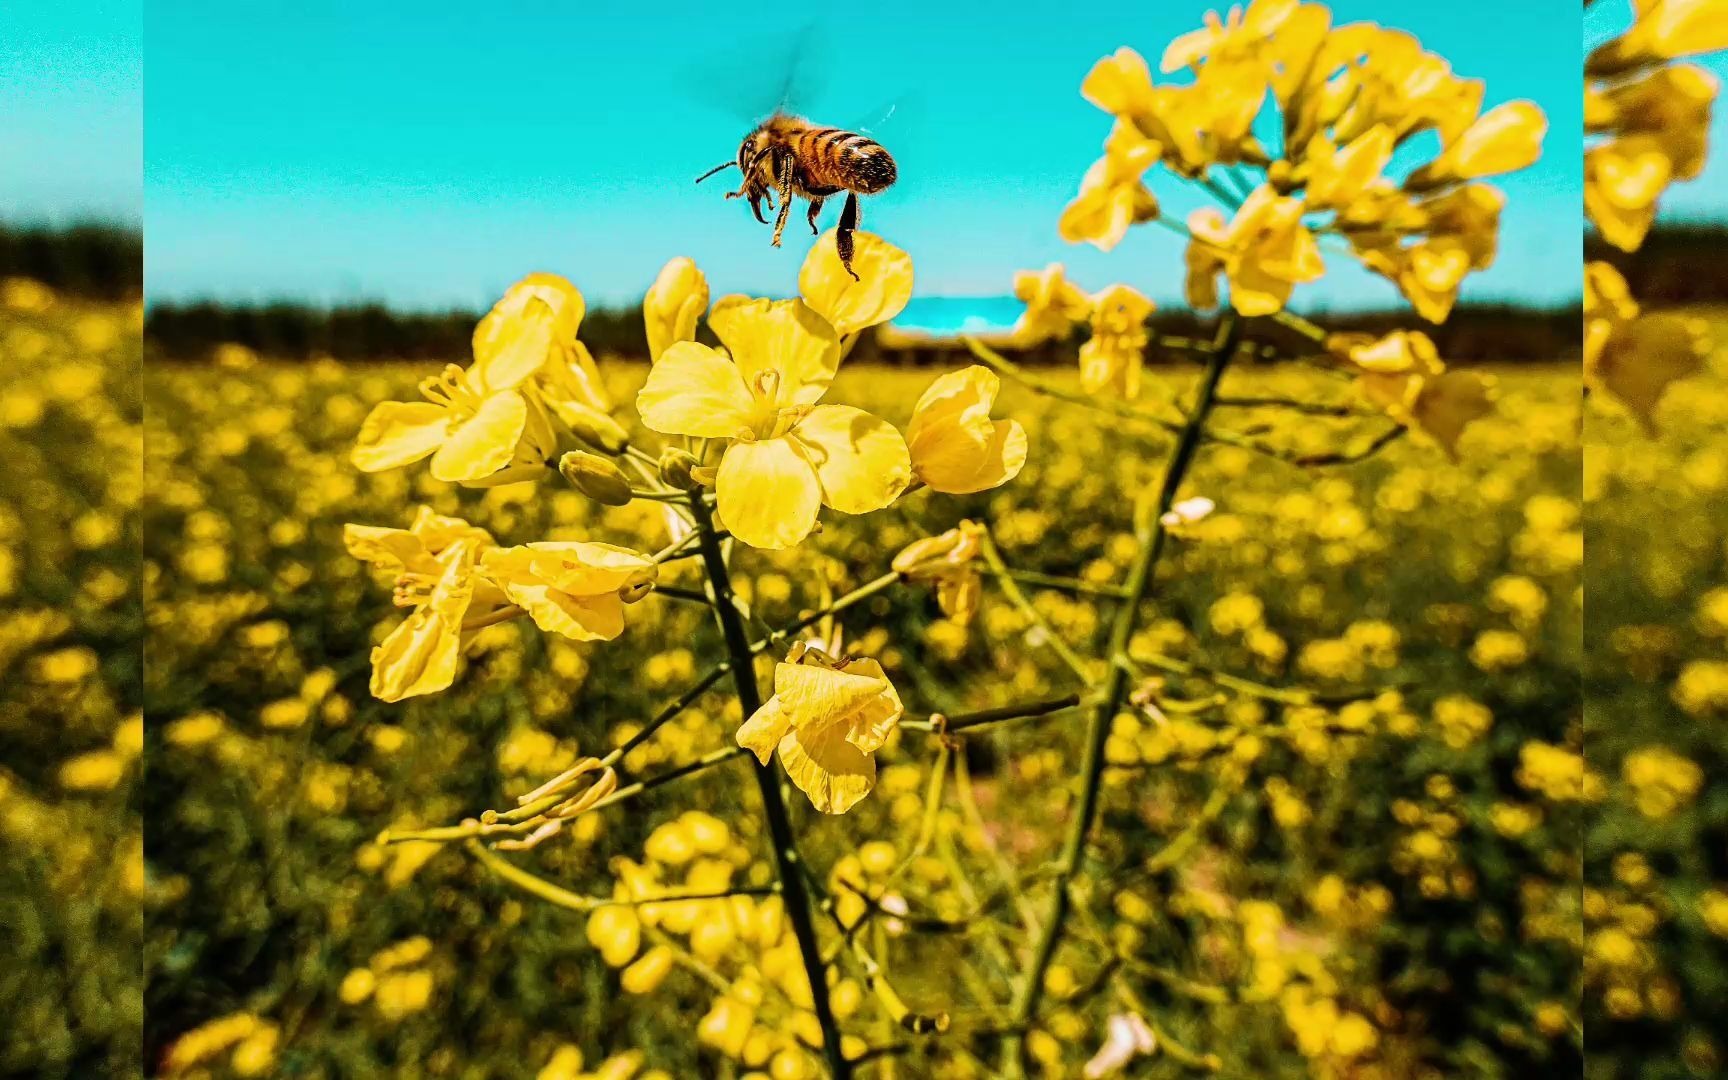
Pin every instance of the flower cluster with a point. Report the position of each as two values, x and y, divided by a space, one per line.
779 452
1347 99
749 422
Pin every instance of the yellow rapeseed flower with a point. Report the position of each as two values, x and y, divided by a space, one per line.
1113 356
434 562
474 420
1113 194
949 562
1053 305
955 446
827 719
1264 251
788 455
573 588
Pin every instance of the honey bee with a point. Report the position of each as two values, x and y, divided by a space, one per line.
788 155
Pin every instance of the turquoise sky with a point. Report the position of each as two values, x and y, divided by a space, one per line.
71 110
429 154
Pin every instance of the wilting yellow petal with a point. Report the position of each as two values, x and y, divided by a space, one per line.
674 302
419 657
883 286
536 319
693 390
861 459
580 618
576 567
956 448
1641 357
387 549
869 726
835 774
1449 403
399 433
784 337
814 696
483 443
768 492
762 732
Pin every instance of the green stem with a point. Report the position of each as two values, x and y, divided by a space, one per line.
961 721
1152 535
788 863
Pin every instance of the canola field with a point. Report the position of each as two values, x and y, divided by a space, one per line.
1386 887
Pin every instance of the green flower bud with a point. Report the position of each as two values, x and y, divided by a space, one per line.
675 466
595 477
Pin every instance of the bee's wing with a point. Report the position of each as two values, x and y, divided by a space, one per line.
759 75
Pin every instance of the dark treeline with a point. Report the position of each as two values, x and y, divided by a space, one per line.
354 333
372 332
99 262
1678 264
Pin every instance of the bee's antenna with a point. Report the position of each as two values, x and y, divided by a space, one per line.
715 169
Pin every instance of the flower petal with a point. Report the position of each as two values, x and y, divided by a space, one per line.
674 302
870 726
835 774
536 317
763 731
693 390
768 493
484 442
782 336
584 568
580 618
813 696
399 433
956 447
861 459
879 293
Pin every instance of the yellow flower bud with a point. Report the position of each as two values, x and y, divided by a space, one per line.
648 972
596 478
675 469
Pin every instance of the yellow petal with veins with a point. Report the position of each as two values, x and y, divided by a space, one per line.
835 774
812 696
693 390
482 443
768 493
762 732
785 337
883 286
861 459
399 433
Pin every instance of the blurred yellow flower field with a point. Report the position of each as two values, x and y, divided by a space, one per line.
1320 874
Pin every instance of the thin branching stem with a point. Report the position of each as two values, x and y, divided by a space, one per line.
1152 535
789 865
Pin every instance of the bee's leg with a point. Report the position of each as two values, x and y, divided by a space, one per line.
786 163
843 236
815 209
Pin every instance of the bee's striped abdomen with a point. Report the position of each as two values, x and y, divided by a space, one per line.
847 160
